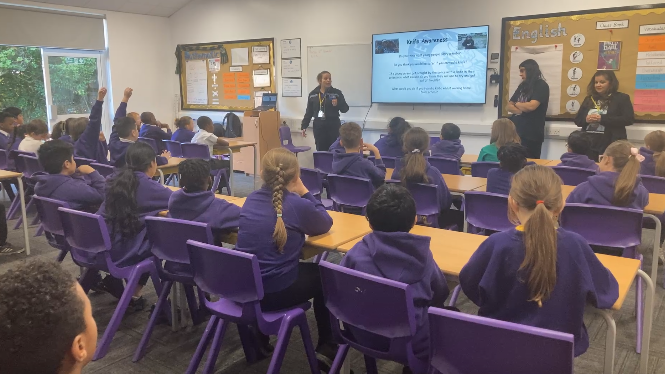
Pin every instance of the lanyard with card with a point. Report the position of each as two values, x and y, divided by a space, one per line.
322 101
595 104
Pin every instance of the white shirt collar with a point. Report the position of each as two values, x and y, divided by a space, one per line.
3 132
127 140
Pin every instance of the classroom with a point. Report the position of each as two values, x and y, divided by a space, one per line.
468 187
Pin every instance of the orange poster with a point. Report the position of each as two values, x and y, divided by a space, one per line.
229 77
243 75
243 79
243 85
229 84
229 92
243 91
229 97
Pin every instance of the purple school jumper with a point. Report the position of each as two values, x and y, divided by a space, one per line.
435 177
204 207
574 160
118 147
389 146
449 149
599 190
88 144
81 192
355 165
154 132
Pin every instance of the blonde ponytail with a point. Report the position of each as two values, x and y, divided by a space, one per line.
628 167
414 168
278 168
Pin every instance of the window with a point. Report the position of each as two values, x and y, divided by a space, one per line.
22 81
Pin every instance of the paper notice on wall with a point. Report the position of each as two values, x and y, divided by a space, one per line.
290 48
197 82
261 54
649 95
550 60
239 56
262 78
292 87
291 68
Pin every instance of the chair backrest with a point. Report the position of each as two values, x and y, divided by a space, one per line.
487 210
653 184
426 197
312 180
389 162
480 169
231 274
433 140
445 165
168 237
85 232
3 159
174 147
351 191
507 348
323 162
195 150
19 162
31 165
83 161
47 209
608 226
573 176
285 135
151 142
104 170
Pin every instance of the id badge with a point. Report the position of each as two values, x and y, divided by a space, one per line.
321 114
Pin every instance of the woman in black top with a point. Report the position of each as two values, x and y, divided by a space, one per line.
605 112
529 107
324 104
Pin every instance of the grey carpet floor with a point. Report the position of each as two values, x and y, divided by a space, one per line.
170 352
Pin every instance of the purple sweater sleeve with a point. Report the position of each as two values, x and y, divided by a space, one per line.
91 190
603 287
313 218
121 112
86 145
377 173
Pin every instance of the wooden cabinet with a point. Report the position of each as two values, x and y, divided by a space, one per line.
261 127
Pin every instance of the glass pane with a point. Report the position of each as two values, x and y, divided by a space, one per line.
22 81
74 83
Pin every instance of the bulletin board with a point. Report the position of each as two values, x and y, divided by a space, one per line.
225 76
571 47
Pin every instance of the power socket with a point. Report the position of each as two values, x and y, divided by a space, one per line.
554 132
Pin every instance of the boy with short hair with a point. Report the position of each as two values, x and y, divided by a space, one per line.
152 129
578 145
352 162
450 145
206 136
7 127
391 252
47 324
82 188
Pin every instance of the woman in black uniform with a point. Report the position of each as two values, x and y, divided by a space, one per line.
324 104
604 113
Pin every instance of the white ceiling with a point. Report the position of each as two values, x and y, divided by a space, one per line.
162 8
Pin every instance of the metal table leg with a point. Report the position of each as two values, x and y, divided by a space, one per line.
650 292
25 216
161 176
656 247
610 340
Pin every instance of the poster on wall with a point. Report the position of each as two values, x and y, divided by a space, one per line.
609 55
197 82
550 59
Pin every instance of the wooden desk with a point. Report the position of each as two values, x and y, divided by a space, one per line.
624 270
6 175
467 159
170 168
346 227
456 183
234 146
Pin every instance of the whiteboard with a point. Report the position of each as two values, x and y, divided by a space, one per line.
350 66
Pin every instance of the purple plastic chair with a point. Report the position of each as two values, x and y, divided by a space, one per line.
389 162
653 184
174 147
573 176
29 164
486 211
445 165
83 161
3 159
610 226
314 182
194 150
151 142
323 162
236 278
169 237
348 191
433 140
468 344
427 203
90 243
47 210
377 305
103 170
480 169
286 141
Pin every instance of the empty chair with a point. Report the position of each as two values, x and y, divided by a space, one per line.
194 150
104 170
151 142
83 161
480 169
445 165
507 348
428 206
323 162
235 277
653 184
346 191
47 210
313 180
286 141
173 147
377 305
573 176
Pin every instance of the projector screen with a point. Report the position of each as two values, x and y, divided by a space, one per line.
434 66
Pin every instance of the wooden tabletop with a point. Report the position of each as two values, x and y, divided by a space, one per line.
234 143
6 174
346 227
656 201
624 270
467 159
455 183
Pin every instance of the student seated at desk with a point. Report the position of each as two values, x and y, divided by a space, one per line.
152 129
8 136
654 162
391 145
185 131
352 162
82 188
87 133
36 134
391 252
450 145
206 136
578 145
617 183
512 158
132 195
536 274
195 201
273 223
47 324
503 132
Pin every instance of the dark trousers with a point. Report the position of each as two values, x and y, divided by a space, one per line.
533 147
325 133
7 185
3 226
306 287
598 145
216 164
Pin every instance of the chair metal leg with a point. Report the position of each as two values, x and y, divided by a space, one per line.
40 231
309 347
215 347
62 255
280 348
203 343
140 350
370 365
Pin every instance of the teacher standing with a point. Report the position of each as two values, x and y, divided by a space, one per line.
605 112
324 103
529 107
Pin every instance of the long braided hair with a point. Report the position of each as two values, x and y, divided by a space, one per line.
278 168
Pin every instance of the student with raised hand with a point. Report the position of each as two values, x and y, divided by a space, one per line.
132 195
512 158
450 145
617 183
391 145
536 274
185 131
81 187
654 162
352 162
578 145
47 324
88 144
152 129
273 223
503 132
36 135
389 251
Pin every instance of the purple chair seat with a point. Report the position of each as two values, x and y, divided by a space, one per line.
653 184
480 169
173 147
445 165
286 141
103 170
313 180
323 162
350 192
571 176
47 210
486 211
428 206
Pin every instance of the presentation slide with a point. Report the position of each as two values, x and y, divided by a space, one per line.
434 66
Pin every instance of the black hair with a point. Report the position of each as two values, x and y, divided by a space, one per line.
5 115
36 126
124 126
122 211
398 126
450 131
53 154
14 111
512 157
203 122
391 209
194 175
579 142
612 89
182 122
147 117
533 73
40 316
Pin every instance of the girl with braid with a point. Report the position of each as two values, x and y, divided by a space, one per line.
273 223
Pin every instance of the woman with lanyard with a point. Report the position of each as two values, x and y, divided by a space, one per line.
529 107
324 104
605 112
